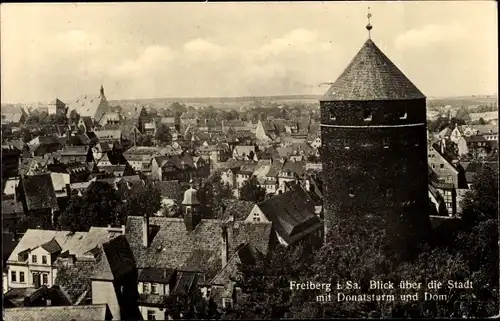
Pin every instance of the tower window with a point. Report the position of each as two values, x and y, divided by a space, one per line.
333 115
388 192
346 142
351 192
386 142
402 114
367 114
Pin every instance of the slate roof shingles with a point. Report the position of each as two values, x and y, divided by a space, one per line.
58 313
371 75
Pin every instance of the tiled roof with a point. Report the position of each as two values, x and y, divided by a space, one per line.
152 274
58 313
372 76
172 246
108 134
298 168
74 279
245 254
11 207
51 246
486 129
239 209
116 260
88 105
39 192
292 212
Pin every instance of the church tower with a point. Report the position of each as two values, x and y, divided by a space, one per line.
373 127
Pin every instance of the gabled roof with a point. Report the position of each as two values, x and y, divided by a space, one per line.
39 192
372 76
116 260
87 105
51 246
238 209
59 313
245 254
172 246
292 212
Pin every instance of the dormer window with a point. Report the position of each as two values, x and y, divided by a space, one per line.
402 114
367 114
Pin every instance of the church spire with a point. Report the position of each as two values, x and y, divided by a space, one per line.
369 26
102 91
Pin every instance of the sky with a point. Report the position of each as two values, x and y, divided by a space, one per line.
159 50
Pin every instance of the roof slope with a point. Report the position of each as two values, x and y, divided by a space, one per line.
39 192
293 213
62 313
372 76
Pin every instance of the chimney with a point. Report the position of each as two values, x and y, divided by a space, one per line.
123 229
224 246
443 145
145 230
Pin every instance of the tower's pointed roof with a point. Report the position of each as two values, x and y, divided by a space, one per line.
372 76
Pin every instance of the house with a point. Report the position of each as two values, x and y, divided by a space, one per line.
478 146
291 171
234 209
10 160
12 213
36 297
93 106
34 261
244 173
39 198
85 124
109 136
76 154
264 131
114 279
176 167
78 172
79 313
140 157
100 150
293 216
243 152
12 114
169 122
216 153
57 107
109 118
444 169
42 145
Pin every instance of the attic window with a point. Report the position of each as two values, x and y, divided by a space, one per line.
402 114
367 114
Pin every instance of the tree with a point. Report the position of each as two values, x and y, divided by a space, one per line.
55 119
163 134
96 207
141 200
482 121
250 191
172 210
144 140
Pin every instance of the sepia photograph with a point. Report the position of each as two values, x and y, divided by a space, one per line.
249 160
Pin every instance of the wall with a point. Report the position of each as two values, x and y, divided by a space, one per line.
104 292
256 213
159 312
17 284
374 168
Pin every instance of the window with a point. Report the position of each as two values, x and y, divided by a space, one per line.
333 115
151 315
44 259
402 114
33 259
45 279
346 142
441 165
386 142
388 192
154 288
434 166
21 277
145 287
367 114
449 179
13 276
227 303
351 192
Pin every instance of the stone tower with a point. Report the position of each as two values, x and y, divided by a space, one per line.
373 127
191 208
